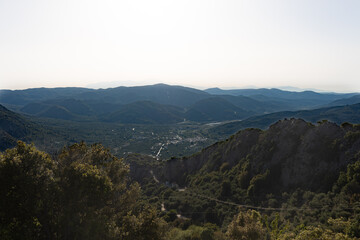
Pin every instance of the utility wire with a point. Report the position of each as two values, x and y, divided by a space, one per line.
264 208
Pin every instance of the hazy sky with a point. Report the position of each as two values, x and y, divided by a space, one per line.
268 43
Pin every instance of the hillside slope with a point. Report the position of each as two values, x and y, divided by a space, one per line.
13 127
215 109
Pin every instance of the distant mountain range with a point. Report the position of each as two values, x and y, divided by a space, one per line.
277 93
162 104
338 114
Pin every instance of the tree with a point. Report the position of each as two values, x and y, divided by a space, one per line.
246 225
97 199
27 193
225 189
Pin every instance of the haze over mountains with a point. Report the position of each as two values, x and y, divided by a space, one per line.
160 103
212 114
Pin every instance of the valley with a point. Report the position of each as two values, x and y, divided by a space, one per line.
122 139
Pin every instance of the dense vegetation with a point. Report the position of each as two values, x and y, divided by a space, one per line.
290 180
83 193
302 178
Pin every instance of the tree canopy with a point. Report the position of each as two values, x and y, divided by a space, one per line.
84 193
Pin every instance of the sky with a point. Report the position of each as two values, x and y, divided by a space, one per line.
199 43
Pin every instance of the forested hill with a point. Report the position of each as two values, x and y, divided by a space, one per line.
291 153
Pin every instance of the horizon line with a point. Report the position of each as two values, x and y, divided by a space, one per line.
252 87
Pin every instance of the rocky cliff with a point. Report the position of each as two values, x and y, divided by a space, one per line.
291 154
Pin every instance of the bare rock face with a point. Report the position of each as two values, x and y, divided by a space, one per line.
142 167
295 154
304 154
